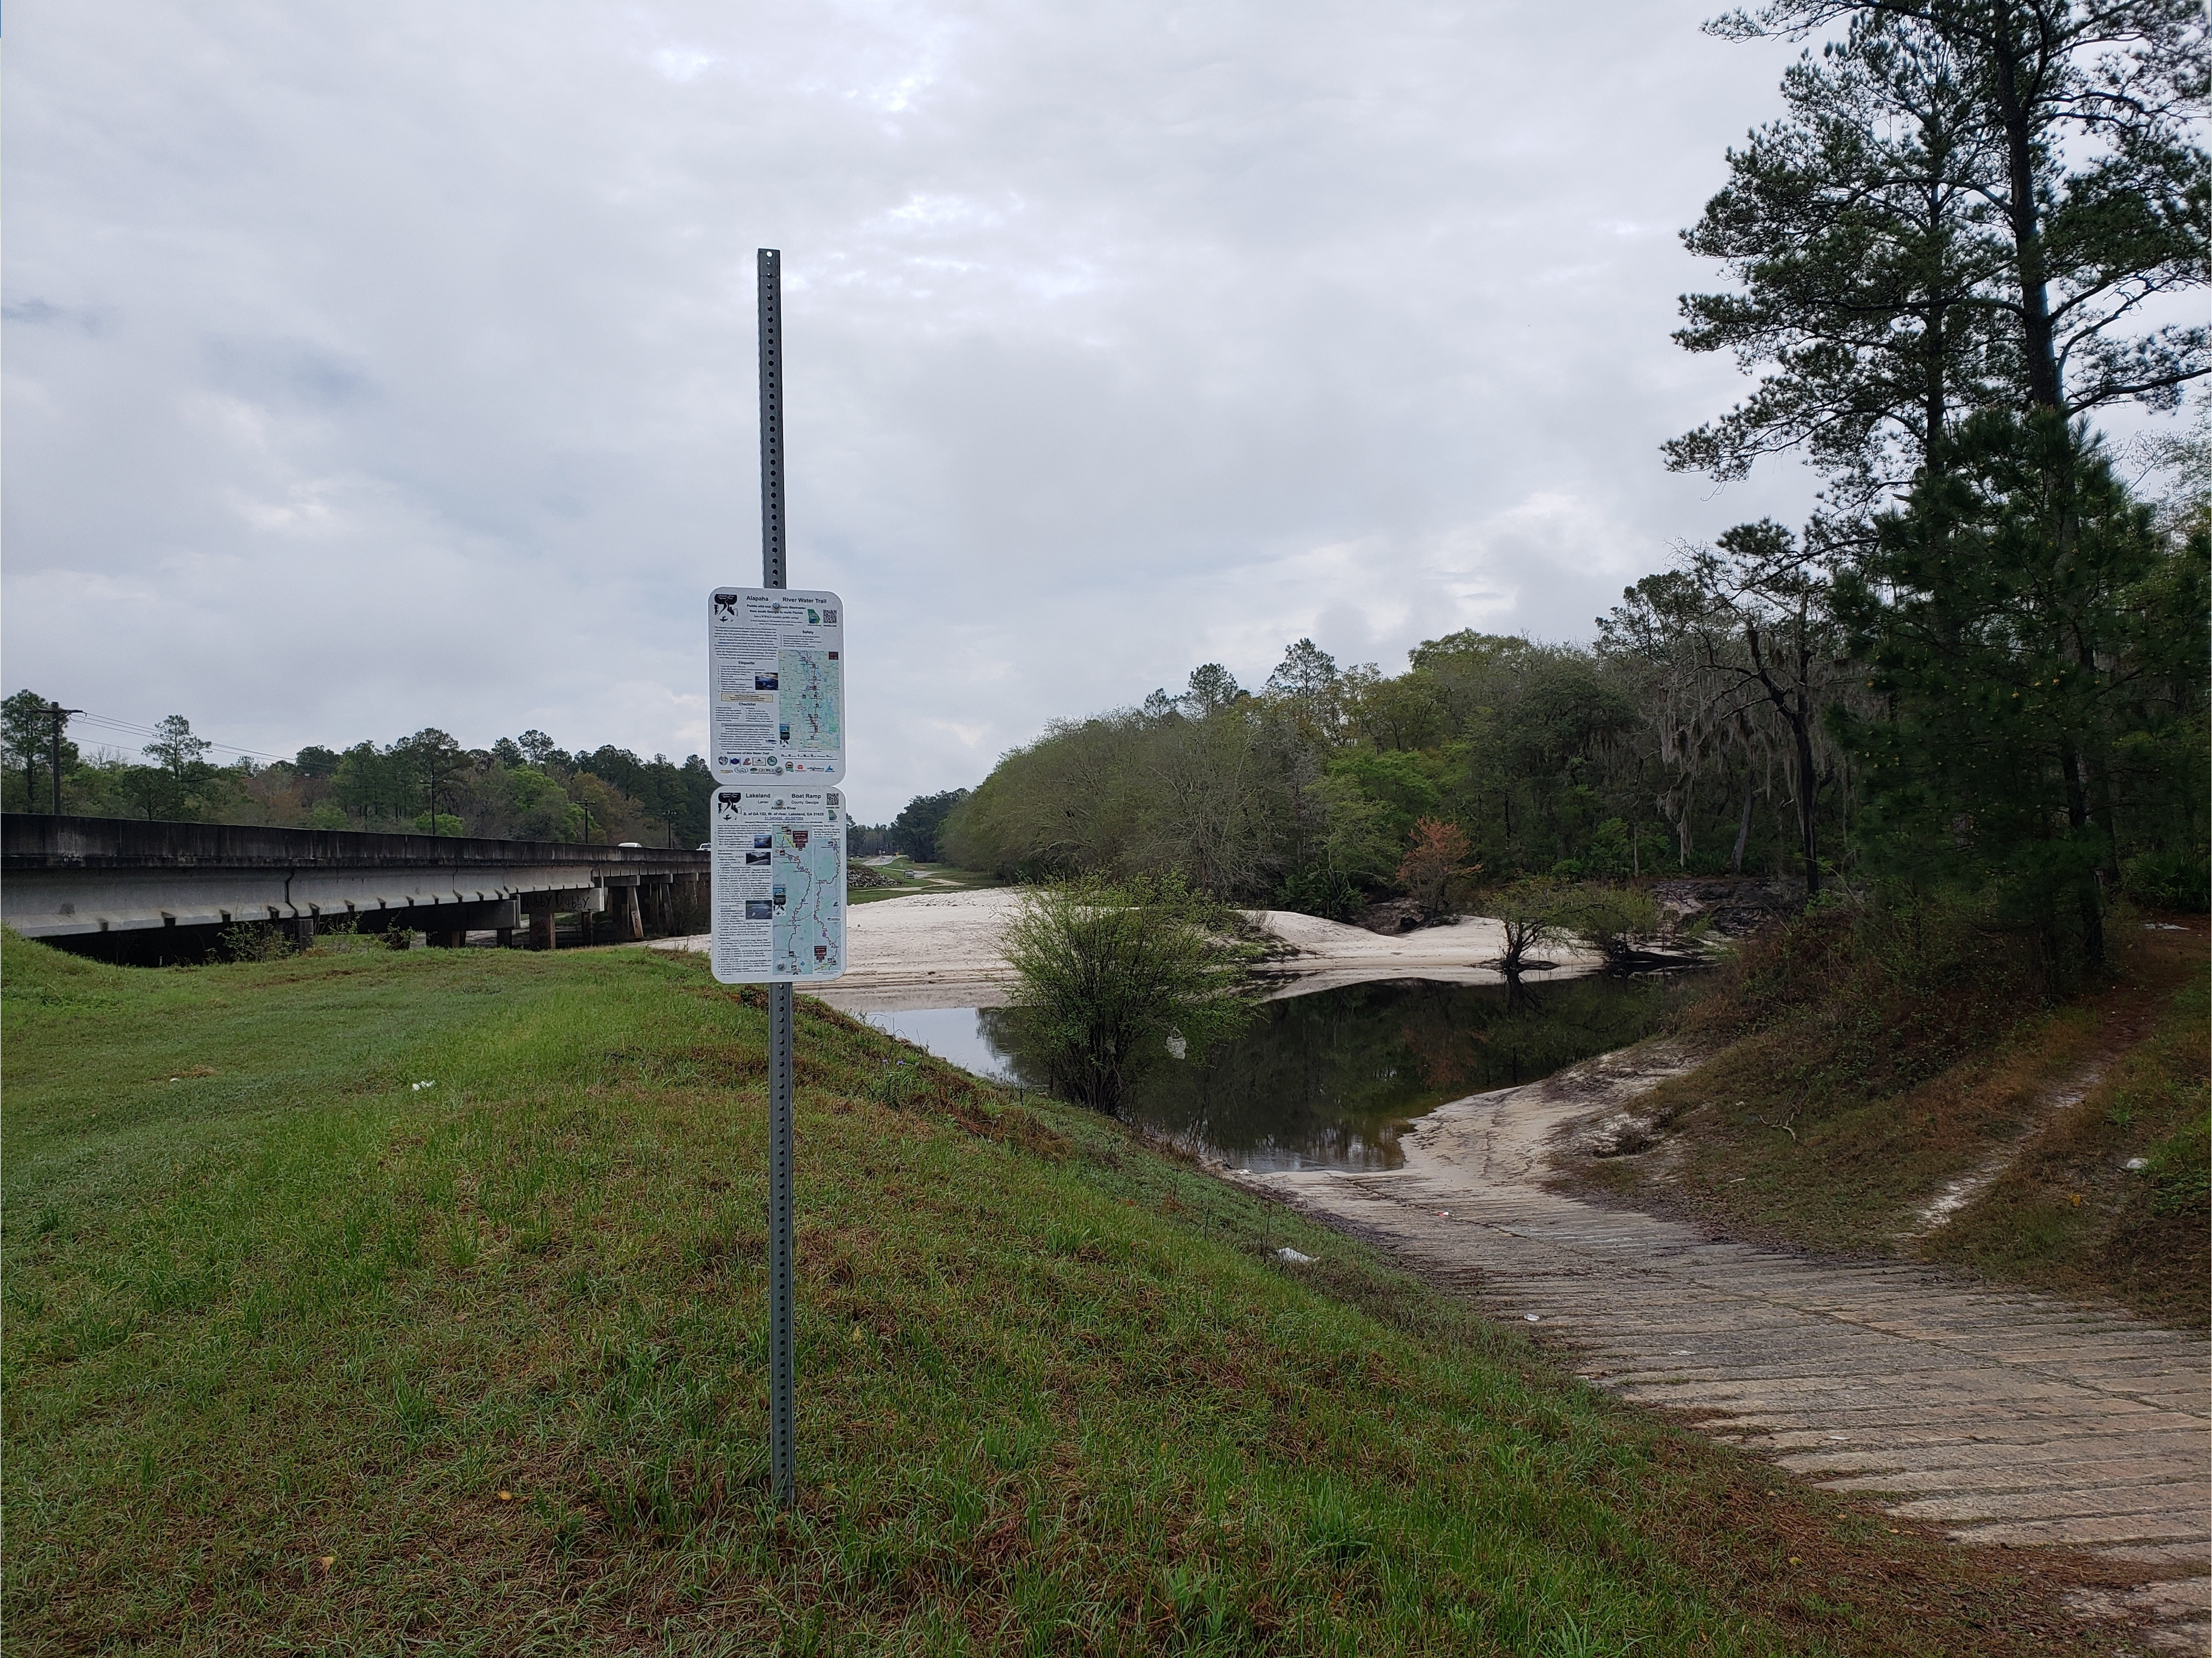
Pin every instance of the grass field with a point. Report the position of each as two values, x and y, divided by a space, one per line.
381 1302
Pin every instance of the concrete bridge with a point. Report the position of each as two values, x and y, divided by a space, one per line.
131 890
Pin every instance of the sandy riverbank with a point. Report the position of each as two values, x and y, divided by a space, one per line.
942 950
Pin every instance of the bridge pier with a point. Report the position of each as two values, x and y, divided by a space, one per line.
628 916
541 923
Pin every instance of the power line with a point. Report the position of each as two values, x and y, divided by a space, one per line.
107 722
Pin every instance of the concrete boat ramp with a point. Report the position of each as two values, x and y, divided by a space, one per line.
2005 1417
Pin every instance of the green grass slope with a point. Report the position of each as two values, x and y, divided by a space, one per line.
299 1355
2112 1198
1850 1079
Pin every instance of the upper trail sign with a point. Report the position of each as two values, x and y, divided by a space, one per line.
776 684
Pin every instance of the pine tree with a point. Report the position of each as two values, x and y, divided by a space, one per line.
2000 619
2102 193
1859 230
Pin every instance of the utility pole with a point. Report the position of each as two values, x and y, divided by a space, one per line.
782 1452
59 715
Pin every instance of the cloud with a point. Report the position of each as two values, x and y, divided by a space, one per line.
40 314
372 370
682 64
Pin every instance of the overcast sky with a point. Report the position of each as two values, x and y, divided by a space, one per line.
371 366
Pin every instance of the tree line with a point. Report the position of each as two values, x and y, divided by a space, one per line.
525 787
1978 669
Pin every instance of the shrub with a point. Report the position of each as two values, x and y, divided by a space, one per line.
1531 911
1879 996
1316 890
1436 864
2168 880
1611 920
1108 974
255 941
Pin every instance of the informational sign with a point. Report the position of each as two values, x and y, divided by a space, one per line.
779 886
775 676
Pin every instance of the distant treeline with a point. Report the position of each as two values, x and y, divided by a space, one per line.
1975 671
1306 792
1980 722
523 788
526 788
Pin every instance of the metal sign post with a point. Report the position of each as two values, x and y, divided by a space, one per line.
775 692
782 1428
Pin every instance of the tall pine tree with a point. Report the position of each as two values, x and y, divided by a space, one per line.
2003 619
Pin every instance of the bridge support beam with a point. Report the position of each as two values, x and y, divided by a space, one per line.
628 916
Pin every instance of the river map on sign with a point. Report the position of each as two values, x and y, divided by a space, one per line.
813 693
810 902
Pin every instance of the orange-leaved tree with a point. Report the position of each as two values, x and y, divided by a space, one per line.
1436 863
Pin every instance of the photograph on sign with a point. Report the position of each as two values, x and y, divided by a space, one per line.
776 674
779 886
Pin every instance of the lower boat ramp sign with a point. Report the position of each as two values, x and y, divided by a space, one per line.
779 863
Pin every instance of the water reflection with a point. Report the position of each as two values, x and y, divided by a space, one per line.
1332 1078
955 1034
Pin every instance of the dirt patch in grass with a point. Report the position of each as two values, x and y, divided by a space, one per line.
2110 1197
1851 1109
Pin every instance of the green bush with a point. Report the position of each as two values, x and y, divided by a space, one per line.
2168 880
1114 976
1611 920
255 941
1316 890
1533 911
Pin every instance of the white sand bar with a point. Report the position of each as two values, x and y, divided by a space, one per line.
942 950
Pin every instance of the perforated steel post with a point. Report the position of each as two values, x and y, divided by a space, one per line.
782 1428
